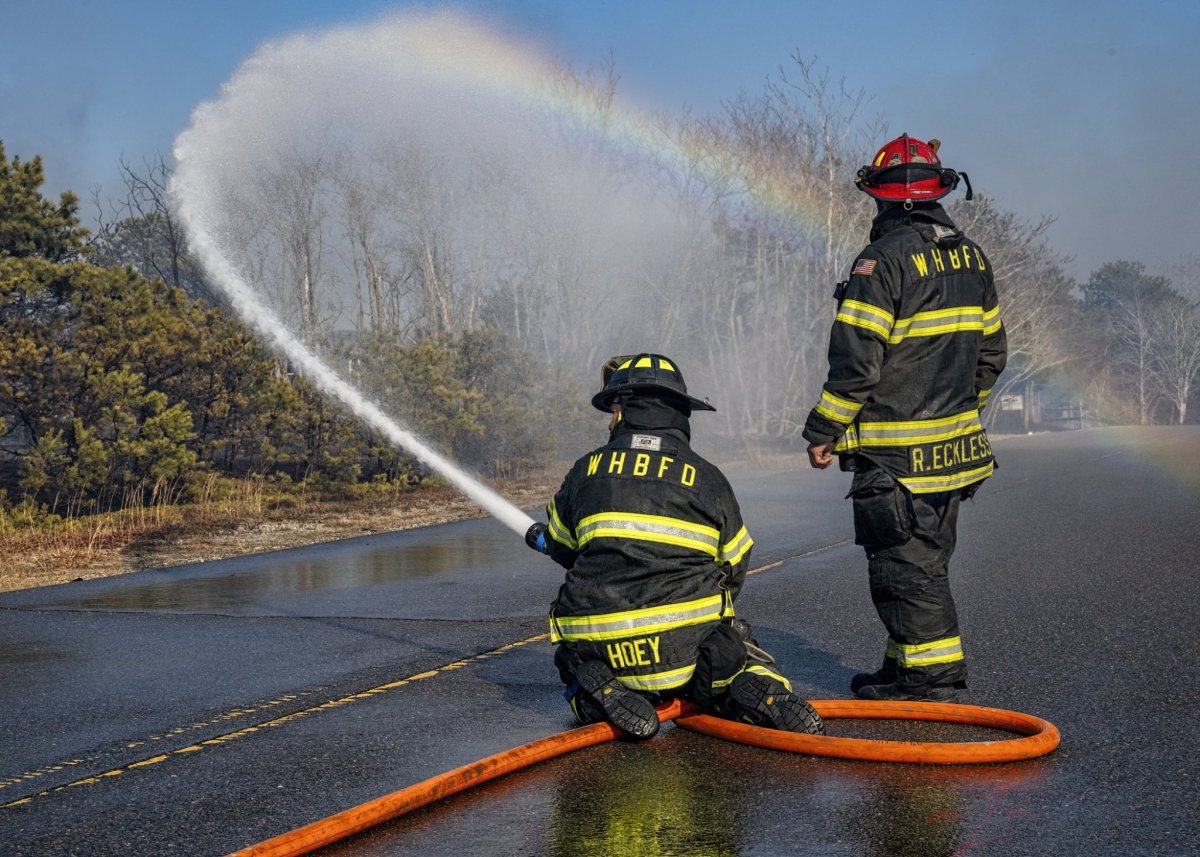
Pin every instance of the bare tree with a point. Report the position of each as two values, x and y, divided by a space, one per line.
143 231
369 267
788 220
1175 331
289 197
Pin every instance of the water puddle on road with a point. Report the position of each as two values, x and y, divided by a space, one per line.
253 582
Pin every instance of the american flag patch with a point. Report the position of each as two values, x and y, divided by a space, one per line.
865 267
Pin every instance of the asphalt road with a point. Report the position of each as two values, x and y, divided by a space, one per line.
203 708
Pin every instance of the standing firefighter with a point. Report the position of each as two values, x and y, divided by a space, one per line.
915 349
656 552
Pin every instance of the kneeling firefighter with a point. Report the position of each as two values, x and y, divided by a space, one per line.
656 552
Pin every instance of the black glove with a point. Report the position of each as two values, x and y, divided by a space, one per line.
535 537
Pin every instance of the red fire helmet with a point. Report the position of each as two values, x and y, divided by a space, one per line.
908 170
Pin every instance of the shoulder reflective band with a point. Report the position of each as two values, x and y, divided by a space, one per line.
630 623
649 528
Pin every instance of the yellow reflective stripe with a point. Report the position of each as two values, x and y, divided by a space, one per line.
937 322
919 431
837 409
659 681
865 315
929 484
984 395
759 669
557 530
645 620
649 528
847 442
991 320
736 548
942 651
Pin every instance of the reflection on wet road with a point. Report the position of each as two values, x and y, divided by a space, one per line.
357 571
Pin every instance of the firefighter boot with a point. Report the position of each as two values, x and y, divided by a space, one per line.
886 674
898 692
939 683
763 701
626 709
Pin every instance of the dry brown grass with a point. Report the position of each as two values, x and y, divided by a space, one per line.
244 522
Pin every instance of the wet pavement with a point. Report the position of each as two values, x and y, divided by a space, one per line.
203 708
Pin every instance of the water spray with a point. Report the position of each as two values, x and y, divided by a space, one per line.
327 153
251 309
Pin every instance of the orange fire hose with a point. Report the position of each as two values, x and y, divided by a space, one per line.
1041 737
357 819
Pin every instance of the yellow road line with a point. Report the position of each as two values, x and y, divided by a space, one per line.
249 730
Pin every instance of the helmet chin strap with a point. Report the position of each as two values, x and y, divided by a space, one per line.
970 193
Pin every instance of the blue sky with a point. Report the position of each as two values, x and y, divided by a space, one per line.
1087 112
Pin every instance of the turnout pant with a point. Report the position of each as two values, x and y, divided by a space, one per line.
725 652
909 540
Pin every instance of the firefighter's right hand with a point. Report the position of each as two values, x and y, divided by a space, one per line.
820 455
535 537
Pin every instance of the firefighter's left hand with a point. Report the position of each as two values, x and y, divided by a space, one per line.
820 455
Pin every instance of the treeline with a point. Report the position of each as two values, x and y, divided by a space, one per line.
124 380
118 390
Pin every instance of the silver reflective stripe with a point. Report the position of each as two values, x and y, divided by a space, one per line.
848 441
732 553
649 528
837 409
937 322
929 484
865 315
610 625
558 531
991 321
659 681
938 652
918 431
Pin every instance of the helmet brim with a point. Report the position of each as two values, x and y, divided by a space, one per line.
603 401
